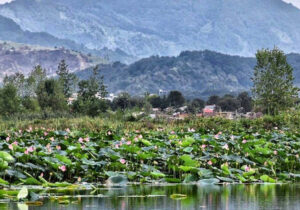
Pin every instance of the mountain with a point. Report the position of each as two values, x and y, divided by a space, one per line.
22 58
163 27
195 73
11 31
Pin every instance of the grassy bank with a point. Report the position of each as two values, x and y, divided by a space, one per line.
119 121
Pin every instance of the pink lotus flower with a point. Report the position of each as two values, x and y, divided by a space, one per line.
232 137
11 147
121 143
80 140
217 136
136 139
275 152
82 146
108 133
26 152
15 143
220 133
209 163
7 139
58 147
87 139
225 147
172 132
42 175
191 130
244 141
128 142
203 146
123 161
117 146
247 168
30 149
45 134
52 139
63 168
140 137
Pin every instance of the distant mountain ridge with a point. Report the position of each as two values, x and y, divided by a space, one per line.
163 27
11 31
22 58
196 74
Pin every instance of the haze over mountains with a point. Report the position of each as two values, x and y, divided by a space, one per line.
163 27
129 30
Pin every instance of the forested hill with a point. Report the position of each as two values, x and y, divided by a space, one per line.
195 73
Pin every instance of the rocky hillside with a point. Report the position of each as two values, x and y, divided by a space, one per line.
11 31
196 74
163 27
19 57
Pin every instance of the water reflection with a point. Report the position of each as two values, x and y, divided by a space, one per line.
248 197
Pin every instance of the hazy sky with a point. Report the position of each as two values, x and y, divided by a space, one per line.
295 2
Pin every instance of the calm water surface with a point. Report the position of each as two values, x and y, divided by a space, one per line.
246 197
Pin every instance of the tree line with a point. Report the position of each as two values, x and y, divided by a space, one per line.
273 91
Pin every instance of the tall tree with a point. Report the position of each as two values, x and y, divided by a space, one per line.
66 78
245 101
50 96
176 99
214 99
10 102
36 76
273 88
88 101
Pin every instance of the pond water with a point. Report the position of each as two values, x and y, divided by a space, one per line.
153 197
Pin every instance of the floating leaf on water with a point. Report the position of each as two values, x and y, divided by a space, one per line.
34 203
172 180
63 201
190 178
208 181
225 179
178 196
117 180
266 178
23 193
22 206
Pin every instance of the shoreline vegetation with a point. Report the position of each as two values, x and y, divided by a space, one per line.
230 151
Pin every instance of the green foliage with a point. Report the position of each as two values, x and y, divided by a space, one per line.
176 99
273 88
67 79
50 95
10 102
